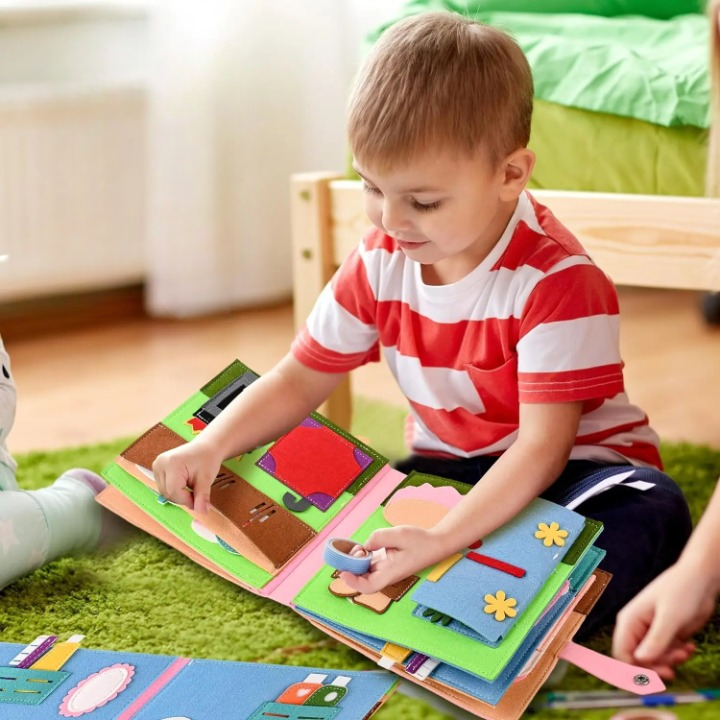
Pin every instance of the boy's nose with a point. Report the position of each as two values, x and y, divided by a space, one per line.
393 219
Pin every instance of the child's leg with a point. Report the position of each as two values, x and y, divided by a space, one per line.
643 534
7 478
41 525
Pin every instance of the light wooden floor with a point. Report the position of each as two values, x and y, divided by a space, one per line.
88 386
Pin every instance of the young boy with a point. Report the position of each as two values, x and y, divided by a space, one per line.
41 525
499 329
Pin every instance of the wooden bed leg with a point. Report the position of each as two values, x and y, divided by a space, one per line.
314 263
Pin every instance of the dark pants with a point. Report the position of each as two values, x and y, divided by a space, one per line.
643 531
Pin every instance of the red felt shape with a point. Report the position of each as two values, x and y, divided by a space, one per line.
513 570
315 462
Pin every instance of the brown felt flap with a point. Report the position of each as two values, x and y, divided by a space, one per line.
275 531
147 447
397 590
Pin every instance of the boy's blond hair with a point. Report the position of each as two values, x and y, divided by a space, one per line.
440 80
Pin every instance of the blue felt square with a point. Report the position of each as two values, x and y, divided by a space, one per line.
460 593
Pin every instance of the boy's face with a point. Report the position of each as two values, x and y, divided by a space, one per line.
445 210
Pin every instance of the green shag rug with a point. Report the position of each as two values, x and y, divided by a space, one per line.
142 596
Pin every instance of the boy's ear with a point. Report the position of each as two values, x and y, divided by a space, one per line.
517 168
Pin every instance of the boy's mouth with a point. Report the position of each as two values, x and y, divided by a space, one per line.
410 244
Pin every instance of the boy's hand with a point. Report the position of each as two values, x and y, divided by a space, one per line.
654 629
408 549
184 475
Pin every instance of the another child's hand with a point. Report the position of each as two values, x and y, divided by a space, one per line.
654 628
407 549
184 475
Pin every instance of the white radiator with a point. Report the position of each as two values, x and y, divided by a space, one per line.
72 189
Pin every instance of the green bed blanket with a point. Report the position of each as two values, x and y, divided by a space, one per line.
622 103
631 66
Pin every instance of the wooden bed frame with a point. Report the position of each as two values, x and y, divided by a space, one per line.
640 240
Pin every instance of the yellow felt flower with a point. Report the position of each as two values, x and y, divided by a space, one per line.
551 535
501 605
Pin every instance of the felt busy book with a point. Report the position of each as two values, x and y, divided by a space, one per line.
50 678
483 628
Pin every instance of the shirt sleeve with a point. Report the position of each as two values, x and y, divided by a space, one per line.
340 333
569 337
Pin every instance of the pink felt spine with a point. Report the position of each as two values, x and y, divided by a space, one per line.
152 690
305 565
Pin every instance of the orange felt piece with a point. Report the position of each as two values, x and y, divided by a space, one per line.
377 602
420 513
340 588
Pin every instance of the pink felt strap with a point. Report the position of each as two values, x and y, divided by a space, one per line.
632 678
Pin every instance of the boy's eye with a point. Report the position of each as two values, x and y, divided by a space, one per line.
425 207
370 189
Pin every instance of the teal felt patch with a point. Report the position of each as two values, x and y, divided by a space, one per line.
25 686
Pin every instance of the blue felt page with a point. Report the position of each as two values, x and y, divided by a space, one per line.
219 690
460 593
200 690
492 691
80 667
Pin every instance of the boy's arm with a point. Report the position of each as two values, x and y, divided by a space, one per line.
532 463
268 408
274 404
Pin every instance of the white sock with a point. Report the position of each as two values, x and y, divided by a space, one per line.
72 516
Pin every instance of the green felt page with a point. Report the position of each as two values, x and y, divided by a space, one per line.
398 625
246 467
186 421
179 523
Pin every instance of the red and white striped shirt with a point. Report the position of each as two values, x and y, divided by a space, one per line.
536 322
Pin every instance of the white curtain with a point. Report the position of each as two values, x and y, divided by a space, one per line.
243 93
